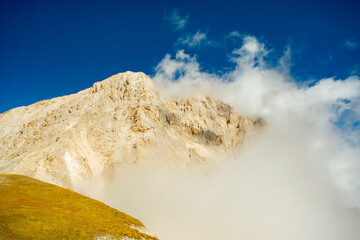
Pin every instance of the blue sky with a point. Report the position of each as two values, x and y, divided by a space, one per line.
54 48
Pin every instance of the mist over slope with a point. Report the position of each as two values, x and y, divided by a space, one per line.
297 179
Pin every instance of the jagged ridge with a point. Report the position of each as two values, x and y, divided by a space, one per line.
121 120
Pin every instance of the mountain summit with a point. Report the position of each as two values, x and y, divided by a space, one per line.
120 120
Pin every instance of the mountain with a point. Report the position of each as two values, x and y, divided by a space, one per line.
121 120
31 209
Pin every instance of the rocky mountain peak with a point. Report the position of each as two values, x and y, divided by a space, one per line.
127 86
119 121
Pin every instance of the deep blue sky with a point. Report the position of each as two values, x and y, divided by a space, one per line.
55 48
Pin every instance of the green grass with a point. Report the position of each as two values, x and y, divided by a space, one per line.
31 209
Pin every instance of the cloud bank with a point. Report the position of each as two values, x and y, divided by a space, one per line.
298 179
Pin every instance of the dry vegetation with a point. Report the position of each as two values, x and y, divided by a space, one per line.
31 209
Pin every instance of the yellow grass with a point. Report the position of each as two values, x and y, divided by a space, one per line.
31 209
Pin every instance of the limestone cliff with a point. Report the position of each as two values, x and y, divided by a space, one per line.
120 120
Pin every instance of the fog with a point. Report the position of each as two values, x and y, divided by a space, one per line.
298 178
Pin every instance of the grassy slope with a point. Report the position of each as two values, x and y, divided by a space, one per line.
31 209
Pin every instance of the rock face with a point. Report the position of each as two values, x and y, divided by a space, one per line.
120 120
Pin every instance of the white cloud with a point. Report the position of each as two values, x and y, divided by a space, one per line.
350 44
251 47
195 40
176 20
296 180
300 172
284 63
252 52
234 34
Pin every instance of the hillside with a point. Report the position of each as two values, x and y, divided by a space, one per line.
31 209
119 121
